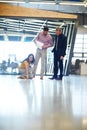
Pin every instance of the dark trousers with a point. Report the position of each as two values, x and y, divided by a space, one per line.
58 64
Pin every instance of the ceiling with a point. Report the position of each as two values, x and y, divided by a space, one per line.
26 1
26 29
70 6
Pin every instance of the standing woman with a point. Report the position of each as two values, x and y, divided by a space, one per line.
26 67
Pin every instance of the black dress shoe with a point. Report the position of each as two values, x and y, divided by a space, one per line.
58 78
52 78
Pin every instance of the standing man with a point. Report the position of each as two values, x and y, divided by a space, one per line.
59 51
42 41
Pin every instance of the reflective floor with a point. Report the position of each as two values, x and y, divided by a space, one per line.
43 104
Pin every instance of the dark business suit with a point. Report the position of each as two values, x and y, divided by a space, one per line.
59 50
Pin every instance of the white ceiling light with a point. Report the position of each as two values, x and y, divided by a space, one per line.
27 1
48 3
11 1
85 3
74 3
71 3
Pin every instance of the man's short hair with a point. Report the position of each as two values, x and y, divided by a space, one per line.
59 28
45 28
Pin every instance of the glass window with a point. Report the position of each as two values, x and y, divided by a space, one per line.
85 50
85 55
77 41
79 36
85 41
85 36
85 45
12 53
77 49
78 54
78 45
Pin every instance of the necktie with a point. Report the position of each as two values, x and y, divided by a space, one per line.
57 43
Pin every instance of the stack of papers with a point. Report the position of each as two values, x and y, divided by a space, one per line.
39 44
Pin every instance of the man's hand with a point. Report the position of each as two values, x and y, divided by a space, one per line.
61 57
44 46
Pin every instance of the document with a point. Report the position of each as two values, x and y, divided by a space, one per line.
39 44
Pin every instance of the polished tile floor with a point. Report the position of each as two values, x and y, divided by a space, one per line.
43 104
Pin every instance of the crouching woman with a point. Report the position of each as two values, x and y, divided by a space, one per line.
26 67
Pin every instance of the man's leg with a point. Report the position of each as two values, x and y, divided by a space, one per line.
37 57
55 67
43 56
61 68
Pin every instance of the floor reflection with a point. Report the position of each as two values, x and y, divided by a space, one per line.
43 104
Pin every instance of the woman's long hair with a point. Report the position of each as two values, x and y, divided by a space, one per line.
27 59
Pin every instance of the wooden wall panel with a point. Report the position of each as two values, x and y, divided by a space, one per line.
17 11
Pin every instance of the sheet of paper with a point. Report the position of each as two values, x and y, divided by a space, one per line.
39 44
